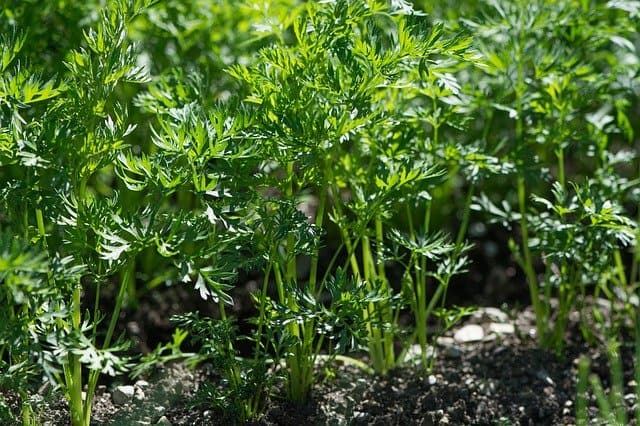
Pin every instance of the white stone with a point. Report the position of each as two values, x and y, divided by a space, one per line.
139 395
415 353
469 333
123 394
502 328
445 341
163 421
494 314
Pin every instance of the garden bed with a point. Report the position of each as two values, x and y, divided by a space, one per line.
488 370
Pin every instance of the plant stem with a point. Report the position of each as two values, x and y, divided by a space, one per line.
313 272
125 283
528 263
371 314
520 87
386 308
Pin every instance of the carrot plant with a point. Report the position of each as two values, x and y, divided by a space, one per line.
556 78
344 112
57 134
612 404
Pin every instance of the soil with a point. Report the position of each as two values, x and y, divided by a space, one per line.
502 378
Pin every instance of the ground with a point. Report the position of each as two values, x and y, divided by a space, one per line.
486 375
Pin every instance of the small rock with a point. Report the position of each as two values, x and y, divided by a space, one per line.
141 384
123 394
159 409
163 421
543 375
139 395
492 313
415 352
432 379
501 328
469 333
445 341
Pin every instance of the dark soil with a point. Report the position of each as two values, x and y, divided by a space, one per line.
504 378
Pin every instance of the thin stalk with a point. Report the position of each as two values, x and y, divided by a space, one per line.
75 386
376 350
347 241
420 297
300 380
421 317
617 385
125 283
386 308
560 158
620 268
581 397
235 373
528 262
261 314
313 272
527 265
466 213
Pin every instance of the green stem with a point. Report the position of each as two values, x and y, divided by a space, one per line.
313 273
261 314
560 157
125 283
386 308
74 376
528 262
466 213
376 350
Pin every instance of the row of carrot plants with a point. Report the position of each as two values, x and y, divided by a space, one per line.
341 149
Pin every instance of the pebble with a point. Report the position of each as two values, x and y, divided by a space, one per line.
494 314
501 328
163 421
469 333
445 341
543 375
141 384
432 379
415 352
139 395
360 415
123 394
